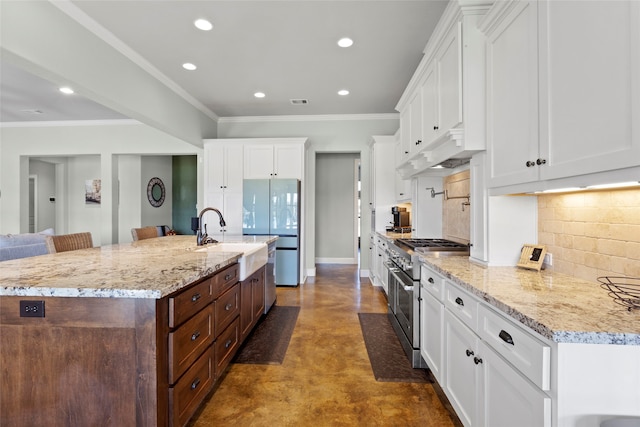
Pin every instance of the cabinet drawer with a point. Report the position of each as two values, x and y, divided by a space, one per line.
462 304
432 282
226 345
225 279
188 302
526 353
188 342
186 395
227 308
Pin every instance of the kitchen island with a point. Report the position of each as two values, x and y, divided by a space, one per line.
128 334
546 348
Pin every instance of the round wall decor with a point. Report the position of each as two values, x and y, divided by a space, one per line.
156 192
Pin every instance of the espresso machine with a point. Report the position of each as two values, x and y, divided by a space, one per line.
401 219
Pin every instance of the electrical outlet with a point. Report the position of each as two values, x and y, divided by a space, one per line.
548 259
31 308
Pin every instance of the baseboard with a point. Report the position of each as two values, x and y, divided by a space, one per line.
336 261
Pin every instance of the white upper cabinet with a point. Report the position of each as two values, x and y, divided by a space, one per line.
449 69
442 108
563 89
223 167
223 186
272 159
512 96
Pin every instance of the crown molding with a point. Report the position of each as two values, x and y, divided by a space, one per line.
309 118
70 123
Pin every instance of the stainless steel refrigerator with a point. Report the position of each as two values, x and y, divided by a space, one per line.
272 207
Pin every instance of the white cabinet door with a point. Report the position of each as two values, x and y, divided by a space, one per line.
288 160
402 188
431 332
462 375
266 161
230 205
258 161
508 398
430 105
512 96
233 167
449 69
589 86
214 167
405 136
415 123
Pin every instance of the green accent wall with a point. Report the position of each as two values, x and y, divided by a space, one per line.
185 189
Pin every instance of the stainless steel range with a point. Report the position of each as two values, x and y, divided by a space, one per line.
404 288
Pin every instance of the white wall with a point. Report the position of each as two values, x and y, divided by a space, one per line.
326 134
335 195
46 210
82 216
160 167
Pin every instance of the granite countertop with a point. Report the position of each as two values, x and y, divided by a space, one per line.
151 268
559 307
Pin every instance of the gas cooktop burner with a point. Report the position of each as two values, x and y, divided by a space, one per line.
434 244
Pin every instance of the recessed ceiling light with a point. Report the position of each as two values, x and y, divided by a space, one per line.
343 92
259 95
203 24
66 90
189 66
345 42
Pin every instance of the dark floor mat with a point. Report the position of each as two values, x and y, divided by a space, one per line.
268 343
387 358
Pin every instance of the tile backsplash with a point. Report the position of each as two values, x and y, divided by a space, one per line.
592 234
456 212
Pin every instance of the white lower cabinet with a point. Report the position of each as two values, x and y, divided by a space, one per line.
508 399
462 375
492 370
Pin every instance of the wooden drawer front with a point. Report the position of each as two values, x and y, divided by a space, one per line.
525 352
188 342
462 304
225 279
227 307
226 345
432 282
188 393
188 302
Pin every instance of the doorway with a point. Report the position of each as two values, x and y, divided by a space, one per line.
33 203
337 208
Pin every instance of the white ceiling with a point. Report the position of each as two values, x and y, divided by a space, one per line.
286 49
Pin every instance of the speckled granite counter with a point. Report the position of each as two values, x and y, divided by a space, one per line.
151 268
561 308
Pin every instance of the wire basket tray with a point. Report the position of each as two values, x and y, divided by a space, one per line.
624 290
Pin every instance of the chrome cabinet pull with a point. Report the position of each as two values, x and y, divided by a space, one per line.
459 301
227 344
195 335
196 297
228 307
195 384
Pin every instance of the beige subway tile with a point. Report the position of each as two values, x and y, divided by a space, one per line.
585 272
574 228
629 197
632 251
565 240
611 247
626 232
597 230
589 244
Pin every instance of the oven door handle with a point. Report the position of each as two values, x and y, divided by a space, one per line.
399 279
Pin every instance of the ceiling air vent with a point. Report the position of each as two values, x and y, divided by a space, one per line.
299 101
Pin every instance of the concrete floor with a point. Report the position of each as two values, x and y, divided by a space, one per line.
326 378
